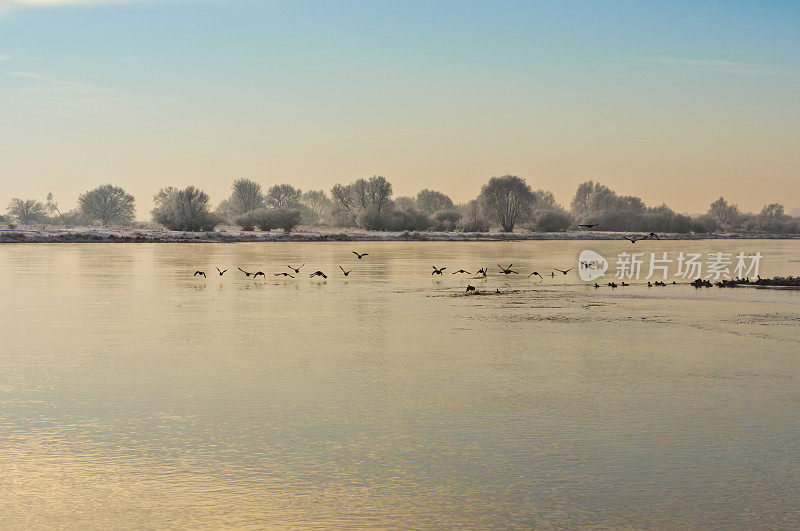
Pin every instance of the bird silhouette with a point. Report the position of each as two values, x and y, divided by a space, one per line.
596 285
470 288
437 271
221 272
199 273
564 271
284 275
360 256
652 235
318 274
632 240
259 273
245 272
507 270
345 272
296 269
462 271
587 225
535 273
482 272
612 284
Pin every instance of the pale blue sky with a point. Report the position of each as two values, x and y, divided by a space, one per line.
672 101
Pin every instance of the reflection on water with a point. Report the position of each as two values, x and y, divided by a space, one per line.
134 393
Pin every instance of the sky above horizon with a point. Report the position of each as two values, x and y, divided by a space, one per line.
677 102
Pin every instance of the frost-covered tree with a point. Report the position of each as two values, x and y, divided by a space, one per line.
357 197
186 209
727 216
51 205
507 198
27 211
318 205
283 196
431 201
245 196
107 204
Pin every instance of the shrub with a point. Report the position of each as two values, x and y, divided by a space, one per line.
186 210
410 219
550 220
447 220
249 220
372 219
267 219
286 218
474 224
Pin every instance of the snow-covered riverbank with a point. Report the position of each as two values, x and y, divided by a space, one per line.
230 236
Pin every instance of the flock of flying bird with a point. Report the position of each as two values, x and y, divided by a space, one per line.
479 274
296 270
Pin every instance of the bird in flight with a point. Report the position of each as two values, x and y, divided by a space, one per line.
482 272
318 274
462 271
535 273
284 275
296 269
254 275
632 240
345 272
507 270
360 256
564 271
470 288
438 271
199 273
245 272
221 271
652 235
587 225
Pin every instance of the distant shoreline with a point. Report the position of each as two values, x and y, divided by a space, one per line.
354 235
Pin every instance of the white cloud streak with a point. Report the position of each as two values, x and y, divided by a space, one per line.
733 67
51 80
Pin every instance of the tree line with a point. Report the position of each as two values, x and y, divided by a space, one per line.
505 203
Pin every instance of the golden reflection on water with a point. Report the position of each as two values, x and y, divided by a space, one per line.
135 395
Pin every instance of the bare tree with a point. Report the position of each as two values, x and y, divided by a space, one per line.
580 202
283 196
508 198
246 196
107 204
379 192
26 211
52 206
362 195
318 204
432 201
727 216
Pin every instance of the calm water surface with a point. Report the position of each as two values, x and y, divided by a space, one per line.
135 395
